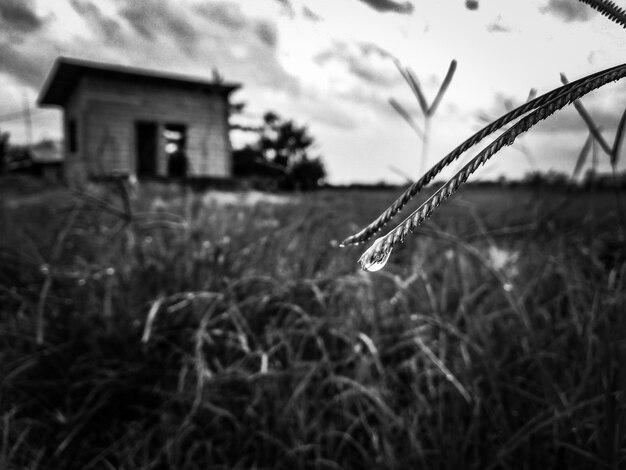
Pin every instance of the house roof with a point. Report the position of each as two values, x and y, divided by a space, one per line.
67 72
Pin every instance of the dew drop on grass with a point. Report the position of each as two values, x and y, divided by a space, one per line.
373 259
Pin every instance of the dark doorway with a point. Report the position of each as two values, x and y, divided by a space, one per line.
146 134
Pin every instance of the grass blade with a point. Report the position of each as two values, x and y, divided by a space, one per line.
619 138
442 89
444 369
582 157
413 82
417 89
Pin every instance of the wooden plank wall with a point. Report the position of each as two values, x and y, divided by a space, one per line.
107 112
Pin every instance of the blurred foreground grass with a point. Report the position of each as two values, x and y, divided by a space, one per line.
223 330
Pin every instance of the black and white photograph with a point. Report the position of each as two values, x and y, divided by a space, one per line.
312 234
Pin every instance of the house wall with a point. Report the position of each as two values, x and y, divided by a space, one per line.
106 112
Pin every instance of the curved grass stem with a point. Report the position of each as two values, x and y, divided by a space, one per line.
382 246
371 229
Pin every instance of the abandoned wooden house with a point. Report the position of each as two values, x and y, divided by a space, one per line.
127 121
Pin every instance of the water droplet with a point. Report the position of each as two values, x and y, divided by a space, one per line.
375 258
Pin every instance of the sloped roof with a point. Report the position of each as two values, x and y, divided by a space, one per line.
67 72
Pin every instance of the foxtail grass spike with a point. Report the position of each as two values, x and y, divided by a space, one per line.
382 247
608 9
411 80
370 230
417 89
442 89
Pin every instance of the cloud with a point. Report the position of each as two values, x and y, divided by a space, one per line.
498 27
108 28
310 14
367 62
287 8
226 14
568 10
230 18
27 66
185 38
161 18
390 6
18 16
267 33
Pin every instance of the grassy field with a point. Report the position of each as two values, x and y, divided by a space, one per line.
180 330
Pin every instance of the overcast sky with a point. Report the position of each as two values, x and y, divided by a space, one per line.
328 64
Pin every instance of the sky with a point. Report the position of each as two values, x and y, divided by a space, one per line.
330 65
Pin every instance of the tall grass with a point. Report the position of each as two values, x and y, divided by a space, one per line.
233 335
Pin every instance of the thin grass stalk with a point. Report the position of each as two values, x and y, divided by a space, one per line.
582 157
447 373
584 114
619 139
46 270
407 117
371 229
543 420
611 151
41 305
427 110
381 248
425 143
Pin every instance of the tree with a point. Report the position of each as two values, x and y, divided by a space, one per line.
281 153
283 142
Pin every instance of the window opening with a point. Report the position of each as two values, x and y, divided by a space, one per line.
176 149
